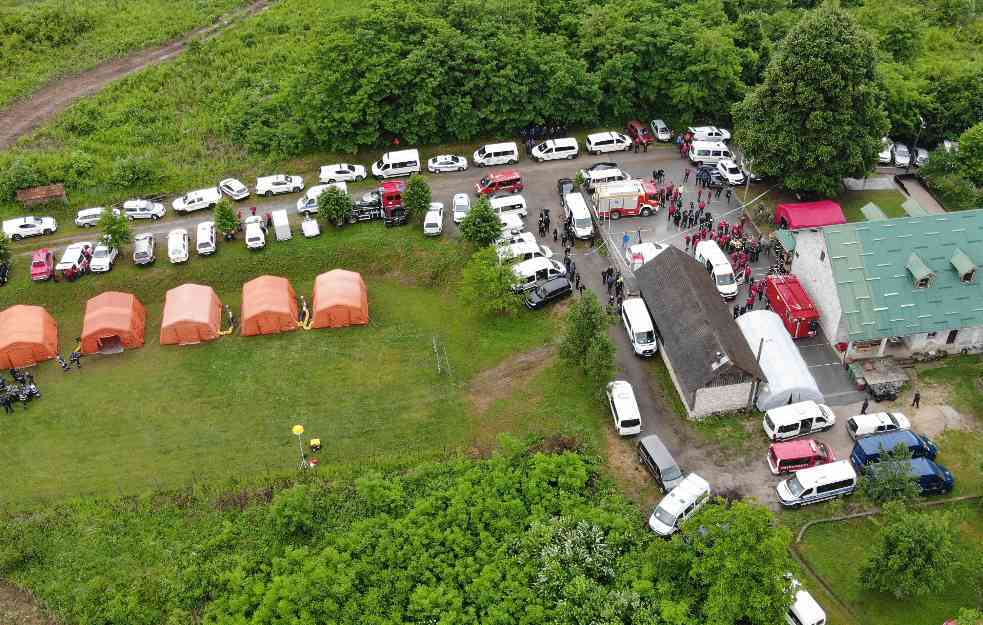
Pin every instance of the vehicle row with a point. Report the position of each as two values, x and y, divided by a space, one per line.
899 155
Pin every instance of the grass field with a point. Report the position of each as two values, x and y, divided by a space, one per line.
163 417
962 375
45 39
888 201
838 550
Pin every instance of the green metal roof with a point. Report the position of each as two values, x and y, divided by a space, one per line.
919 270
873 270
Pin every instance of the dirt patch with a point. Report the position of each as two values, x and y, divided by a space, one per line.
28 113
17 607
632 478
500 382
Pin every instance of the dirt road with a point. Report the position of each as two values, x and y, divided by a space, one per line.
25 115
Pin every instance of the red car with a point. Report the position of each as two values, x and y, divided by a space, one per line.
790 456
42 264
639 132
507 180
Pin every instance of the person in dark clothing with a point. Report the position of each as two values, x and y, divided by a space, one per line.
555 234
645 147
63 364
863 407
7 402
737 311
76 359
580 289
916 400
636 146
576 280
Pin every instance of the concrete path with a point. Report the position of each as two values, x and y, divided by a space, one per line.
921 195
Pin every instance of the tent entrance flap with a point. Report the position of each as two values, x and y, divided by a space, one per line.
110 345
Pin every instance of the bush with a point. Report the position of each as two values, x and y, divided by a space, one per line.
417 197
481 226
892 481
335 205
292 511
955 191
19 174
487 284
131 172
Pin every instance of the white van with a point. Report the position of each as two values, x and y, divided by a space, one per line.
512 224
804 610
718 266
680 504
205 238
514 204
556 149
524 250
800 419
255 234
535 269
89 217
496 154
708 152
826 481
575 208
398 163
307 205
594 178
281 225
639 326
601 142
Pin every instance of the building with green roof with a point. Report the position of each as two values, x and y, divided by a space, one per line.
909 283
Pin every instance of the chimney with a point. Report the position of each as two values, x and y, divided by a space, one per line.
719 361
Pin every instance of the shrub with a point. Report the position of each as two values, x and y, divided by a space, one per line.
335 205
487 284
417 197
292 511
130 172
481 226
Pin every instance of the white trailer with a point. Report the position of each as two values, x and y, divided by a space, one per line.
281 225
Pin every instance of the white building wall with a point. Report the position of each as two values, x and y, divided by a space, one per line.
715 399
811 265
969 339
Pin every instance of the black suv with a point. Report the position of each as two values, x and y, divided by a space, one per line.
548 291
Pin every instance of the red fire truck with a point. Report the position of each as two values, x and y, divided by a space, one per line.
626 198
791 302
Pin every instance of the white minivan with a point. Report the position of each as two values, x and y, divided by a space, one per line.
638 325
89 217
601 142
556 149
514 204
815 484
575 208
496 154
680 504
597 177
708 152
205 238
531 271
709 254
624 408
798 419
804 610
398 163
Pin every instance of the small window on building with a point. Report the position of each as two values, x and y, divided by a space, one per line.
921 275
964 266
932 335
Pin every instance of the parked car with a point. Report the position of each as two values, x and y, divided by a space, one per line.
870 449
205 241
275 185
143 209
653 453
23 227
640 132
563 187
714 178
433 221
900 155
103 258
197 200
730 172
524 250
805 610
886 155
679 504
639 327
640 253
932 478
598 167
921 157
876 423
255 232
89 217
601 142
447 162
307 204
531 273
42 265
827 481
662 131
75 260
548 291
504 181
342 172
566 148
144 249
461 206
177 245
234 188
709 133
624 408
798 419
790 456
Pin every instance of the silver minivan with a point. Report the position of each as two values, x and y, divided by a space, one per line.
653 453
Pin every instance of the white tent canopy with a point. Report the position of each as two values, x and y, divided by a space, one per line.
788 377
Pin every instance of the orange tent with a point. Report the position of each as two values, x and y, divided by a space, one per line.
114 321
269 306
340 299
28 335
192 314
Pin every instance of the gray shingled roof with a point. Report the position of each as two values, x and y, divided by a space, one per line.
693 322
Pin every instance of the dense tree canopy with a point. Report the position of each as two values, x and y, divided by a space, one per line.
817 117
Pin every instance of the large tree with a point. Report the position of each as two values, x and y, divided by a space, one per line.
115 229
818 115
487 284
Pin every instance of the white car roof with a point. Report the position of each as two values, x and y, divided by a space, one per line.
623 396
807 609
685 493
461 198
599 136
647 250
272 178
143 237
77 247
533 265
402 155
205 226
137 203
85 212
793 413
826 473
233 182
727 162
869 422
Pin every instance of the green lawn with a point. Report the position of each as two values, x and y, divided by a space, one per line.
837 552
963 375
889 202
163 417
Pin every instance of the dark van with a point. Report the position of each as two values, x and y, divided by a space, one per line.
653 454
932 478
869 449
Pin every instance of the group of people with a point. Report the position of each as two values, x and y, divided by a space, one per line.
533 134
615 284
75 358
755 293
22 389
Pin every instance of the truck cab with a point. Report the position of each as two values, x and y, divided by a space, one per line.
625 198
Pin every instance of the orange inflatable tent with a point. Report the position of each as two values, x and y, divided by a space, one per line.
114 321
340 299
28 335
269 306
192 314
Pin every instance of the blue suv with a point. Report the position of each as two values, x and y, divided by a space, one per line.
869 449
932 478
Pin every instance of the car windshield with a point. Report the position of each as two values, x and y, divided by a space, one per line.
725 279
140 254
672 473
486 181
630 423
38 263
665 517
902 150
582 222
100 252
733 170
644 338
567 187
794 487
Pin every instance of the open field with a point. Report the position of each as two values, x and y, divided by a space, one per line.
162 417
45 39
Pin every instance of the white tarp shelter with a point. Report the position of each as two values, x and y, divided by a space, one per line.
788 377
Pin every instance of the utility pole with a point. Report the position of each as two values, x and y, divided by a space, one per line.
754 385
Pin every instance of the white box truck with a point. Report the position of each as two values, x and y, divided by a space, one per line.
281 225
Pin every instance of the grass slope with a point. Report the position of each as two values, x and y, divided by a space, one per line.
162 417
50 38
